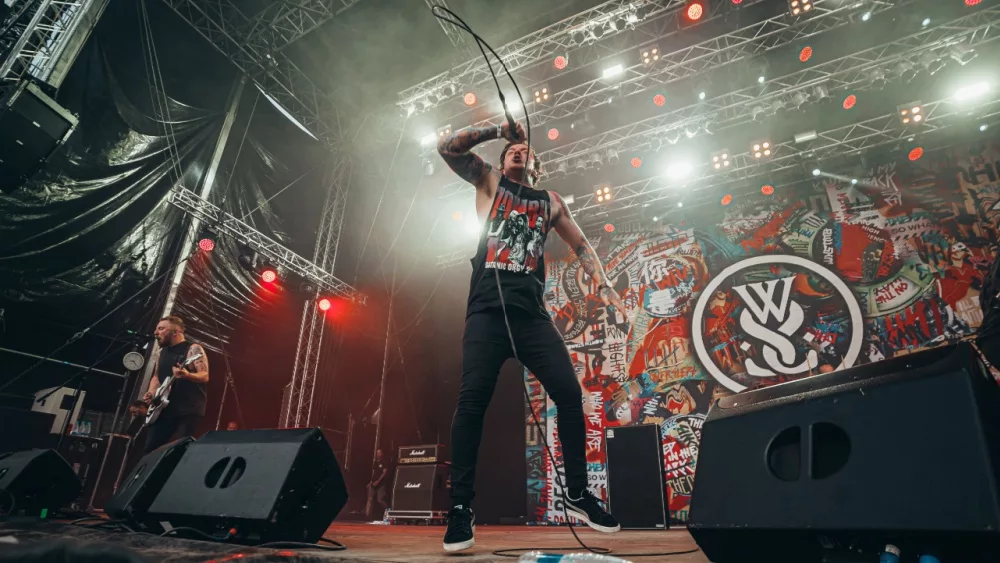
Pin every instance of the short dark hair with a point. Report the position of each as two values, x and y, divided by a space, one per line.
175 320
535 173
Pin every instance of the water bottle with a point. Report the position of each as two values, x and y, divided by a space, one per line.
929 559
542 557
889 555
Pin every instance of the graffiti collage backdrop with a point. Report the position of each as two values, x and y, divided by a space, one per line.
854 273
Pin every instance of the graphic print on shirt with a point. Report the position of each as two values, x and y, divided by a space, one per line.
515 235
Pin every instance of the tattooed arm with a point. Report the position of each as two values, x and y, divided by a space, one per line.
200 366
569 231
456 148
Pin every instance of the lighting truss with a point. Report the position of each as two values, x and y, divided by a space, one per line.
852 72
691 61
284 22
224 26
48 26
542 45
457 38
209 214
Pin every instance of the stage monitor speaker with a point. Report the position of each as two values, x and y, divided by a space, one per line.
36 481
32 126
902 451
636 493
421 488
268 485
141 486
112 464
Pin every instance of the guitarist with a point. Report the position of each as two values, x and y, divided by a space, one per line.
182 416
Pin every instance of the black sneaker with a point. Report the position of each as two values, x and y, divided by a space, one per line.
588 508
461 532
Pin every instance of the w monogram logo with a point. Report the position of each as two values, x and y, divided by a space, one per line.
761 304
783 327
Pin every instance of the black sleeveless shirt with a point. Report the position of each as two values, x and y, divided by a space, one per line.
512 245
186 397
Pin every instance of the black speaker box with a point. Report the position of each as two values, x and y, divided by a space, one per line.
421 488
903 451
636 494
32 126
36 481
268 485
143 483
102 488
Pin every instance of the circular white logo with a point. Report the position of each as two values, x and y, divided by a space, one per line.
775 326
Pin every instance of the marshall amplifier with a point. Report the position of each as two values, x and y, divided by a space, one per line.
421 488
410 455
635 477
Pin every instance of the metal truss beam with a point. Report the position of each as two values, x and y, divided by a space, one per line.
457 38
220 22
42 39
302 388
855 71
543 44
788 157
691 61
286 21
209 214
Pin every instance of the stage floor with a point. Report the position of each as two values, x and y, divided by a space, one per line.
365 542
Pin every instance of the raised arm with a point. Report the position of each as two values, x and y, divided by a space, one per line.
569 231
456 149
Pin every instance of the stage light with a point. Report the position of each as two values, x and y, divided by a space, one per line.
561 62
268 274
727 199
720 159
806 53
206 244
637 162
680 204
761 79
983 127
429 140
694 10
866 16
609 228
613 71
650 54
553 134
767 189
701 95
659 100
761 149
854 181
603 193
817 171
926 22
916 154
850 101
679 170
542 94
972 2
444 132
911 113
469 99
737 2
324 304
799 7
972 91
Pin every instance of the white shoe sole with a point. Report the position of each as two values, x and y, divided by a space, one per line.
461 545
598 527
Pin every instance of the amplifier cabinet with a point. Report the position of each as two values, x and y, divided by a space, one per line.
410 455
421 487
636 483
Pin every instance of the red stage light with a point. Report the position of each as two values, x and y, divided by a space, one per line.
269 275
850 101
470 99
694 11
972 2
636 162
206 244
737 2
727 199
916 154
659 100
553 134
609 228
806 53
767 189
561 62
324 304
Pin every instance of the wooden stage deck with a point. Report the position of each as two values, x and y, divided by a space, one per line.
365 542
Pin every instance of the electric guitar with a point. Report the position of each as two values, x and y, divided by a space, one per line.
161 398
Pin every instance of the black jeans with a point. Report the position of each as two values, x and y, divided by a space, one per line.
160 432
540 347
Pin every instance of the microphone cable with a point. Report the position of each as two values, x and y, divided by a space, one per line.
483 45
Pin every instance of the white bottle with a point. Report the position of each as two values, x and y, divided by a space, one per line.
542 557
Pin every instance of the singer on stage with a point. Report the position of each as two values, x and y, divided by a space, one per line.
189 394
518 218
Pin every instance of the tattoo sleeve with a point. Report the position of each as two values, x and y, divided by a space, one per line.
455 150
591 263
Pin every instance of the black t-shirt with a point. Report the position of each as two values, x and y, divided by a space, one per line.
512 245
186 397
380 466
